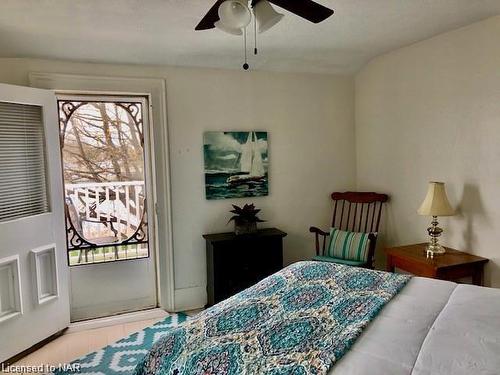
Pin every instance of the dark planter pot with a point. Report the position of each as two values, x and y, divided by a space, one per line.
244 228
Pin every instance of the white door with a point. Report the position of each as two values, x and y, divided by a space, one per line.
34 298
107 169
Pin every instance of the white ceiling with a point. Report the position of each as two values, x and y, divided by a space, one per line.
162 32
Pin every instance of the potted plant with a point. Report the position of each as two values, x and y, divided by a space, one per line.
245 219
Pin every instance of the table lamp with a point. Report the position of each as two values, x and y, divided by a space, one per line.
435 204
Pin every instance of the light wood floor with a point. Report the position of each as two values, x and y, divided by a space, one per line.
71 346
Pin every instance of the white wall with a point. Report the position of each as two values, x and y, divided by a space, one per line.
431 111
311 134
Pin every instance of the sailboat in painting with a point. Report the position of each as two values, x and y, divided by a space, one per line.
251 164
236 164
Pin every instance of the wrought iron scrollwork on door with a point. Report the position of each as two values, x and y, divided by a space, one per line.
94 203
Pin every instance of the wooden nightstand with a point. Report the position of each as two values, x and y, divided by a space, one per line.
452 265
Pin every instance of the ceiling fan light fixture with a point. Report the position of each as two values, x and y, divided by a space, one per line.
266 15
219 25
235 14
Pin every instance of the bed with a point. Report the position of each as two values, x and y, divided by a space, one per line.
430 327
426 327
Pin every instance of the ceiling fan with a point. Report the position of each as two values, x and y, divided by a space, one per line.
233 16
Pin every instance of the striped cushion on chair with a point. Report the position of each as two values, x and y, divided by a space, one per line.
348 245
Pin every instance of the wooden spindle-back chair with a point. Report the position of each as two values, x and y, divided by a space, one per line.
354 212
74 224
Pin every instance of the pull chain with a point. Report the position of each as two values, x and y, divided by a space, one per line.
245 65
255 33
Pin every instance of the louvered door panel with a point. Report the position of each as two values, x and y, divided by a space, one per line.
23 181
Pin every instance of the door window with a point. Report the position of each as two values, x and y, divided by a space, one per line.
103 153
23 190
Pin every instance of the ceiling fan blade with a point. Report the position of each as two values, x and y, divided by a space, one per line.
307 9
210 18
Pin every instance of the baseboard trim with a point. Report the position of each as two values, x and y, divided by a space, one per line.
116 319
31 349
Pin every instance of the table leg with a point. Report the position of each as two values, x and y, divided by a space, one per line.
390 265
477 277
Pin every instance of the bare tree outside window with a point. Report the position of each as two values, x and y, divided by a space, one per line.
103 166
102 143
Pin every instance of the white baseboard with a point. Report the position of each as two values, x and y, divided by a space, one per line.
116 319
190 298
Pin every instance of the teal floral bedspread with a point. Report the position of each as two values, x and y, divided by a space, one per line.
298 321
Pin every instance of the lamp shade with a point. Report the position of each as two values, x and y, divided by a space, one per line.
235 14
226 29
436 202
266 15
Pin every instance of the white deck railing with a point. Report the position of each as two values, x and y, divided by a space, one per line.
121 200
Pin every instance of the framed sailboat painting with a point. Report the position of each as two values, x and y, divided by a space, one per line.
236 164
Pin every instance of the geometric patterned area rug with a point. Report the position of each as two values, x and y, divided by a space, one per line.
121 357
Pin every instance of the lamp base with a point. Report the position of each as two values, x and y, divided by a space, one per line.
434 232
434 249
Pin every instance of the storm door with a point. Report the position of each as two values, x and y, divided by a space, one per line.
107 171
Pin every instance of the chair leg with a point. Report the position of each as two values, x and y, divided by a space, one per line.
115 232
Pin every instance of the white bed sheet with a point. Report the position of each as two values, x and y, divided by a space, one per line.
392 342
